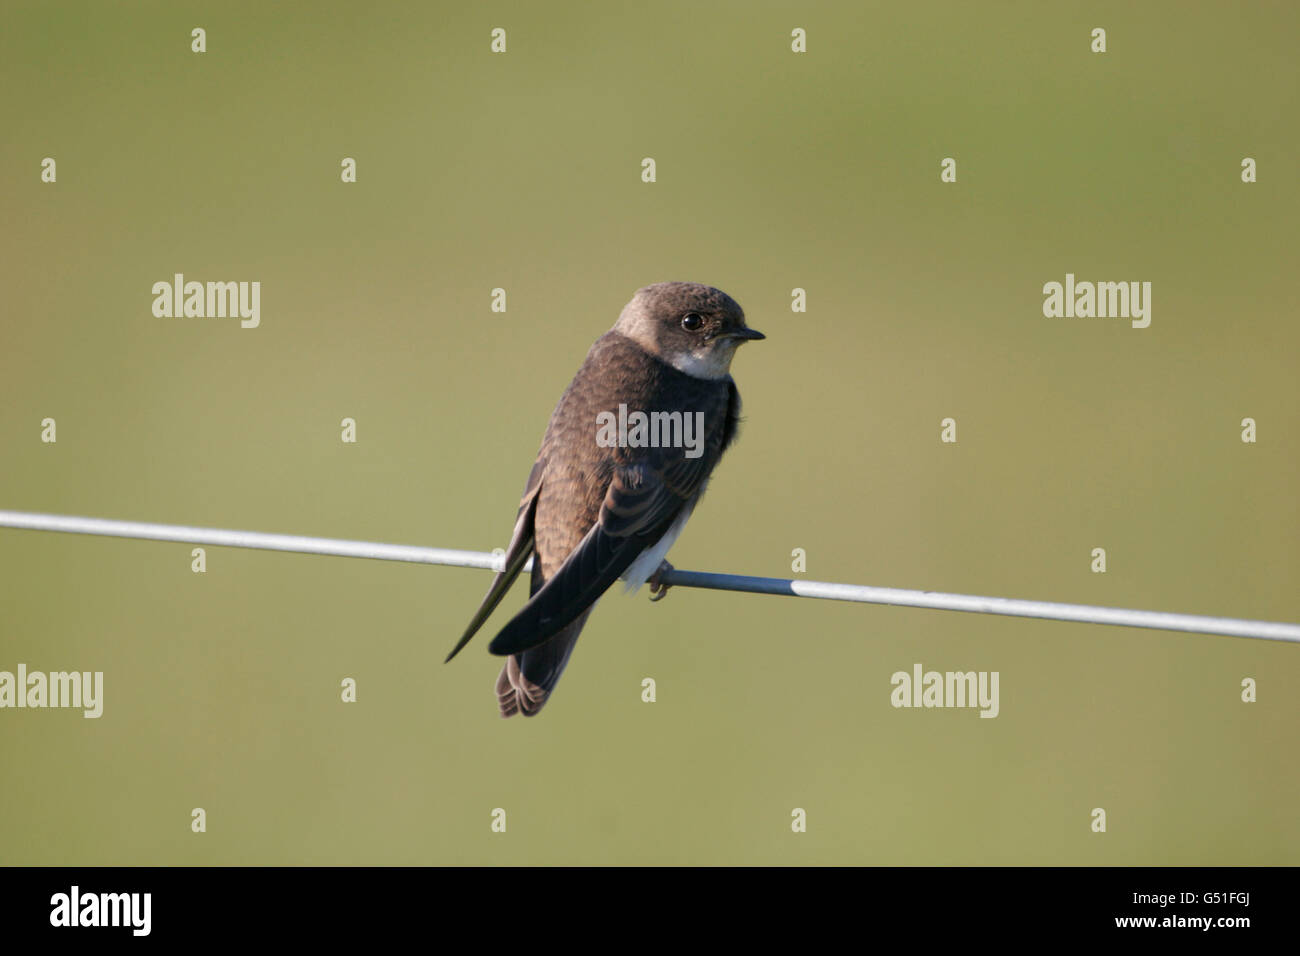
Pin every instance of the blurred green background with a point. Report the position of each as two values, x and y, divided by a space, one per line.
775 171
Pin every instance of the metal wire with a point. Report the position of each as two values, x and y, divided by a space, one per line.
1049 610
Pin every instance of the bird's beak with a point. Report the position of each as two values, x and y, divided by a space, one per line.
746 335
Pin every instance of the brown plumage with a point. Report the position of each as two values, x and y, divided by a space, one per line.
589 512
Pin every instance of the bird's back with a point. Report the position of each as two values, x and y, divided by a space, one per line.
579 470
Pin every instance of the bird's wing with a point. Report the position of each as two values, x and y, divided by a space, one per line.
639 507
517 554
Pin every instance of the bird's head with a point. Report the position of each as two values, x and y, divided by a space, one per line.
694 328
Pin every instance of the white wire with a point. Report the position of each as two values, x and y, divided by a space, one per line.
1050 610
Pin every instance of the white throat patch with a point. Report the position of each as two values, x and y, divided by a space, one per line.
712 365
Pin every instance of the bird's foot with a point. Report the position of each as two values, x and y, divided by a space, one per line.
658 590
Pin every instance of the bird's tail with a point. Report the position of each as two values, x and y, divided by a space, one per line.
526 680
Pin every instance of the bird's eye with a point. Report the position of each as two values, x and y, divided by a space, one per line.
691 321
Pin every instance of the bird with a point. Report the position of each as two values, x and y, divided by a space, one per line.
597 506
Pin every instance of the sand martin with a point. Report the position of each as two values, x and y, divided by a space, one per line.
605 501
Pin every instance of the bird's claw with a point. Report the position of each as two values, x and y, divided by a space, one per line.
658 589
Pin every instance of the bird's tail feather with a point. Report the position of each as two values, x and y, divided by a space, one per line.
526 679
